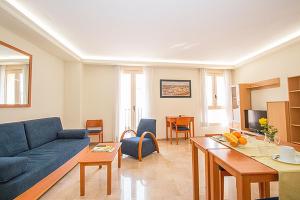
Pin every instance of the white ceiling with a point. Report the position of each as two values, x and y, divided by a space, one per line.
172 31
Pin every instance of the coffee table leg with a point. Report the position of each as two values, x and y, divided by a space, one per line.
109 179
119 157
82 179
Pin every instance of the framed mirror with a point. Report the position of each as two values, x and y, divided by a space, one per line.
15 77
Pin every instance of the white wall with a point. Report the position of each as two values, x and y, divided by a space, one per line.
99 83
283 63
73 89
98 100
175 106
47 82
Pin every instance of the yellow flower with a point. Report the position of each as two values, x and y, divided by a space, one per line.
263 121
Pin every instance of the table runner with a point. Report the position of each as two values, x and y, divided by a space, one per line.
261 151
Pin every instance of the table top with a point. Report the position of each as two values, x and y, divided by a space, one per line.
241 163
175 117
205 143
100 157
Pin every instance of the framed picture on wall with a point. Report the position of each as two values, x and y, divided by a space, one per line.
175 88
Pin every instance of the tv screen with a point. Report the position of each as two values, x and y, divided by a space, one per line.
252 117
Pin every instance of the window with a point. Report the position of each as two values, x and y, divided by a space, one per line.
216 91
133 97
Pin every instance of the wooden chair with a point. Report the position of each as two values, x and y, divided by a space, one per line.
95 127
182 125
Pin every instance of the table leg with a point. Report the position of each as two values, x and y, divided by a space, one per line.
119 157
193 127
207 176
195 170
109 179
171 132
82 179
243 188
167 134
264 189
214 179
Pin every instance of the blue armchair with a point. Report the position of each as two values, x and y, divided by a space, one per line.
144 142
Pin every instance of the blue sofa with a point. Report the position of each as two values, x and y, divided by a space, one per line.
31 150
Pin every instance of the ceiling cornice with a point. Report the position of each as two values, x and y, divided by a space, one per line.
19 12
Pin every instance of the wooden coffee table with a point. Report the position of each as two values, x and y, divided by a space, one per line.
98 159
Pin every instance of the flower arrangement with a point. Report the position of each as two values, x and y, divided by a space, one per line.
268 130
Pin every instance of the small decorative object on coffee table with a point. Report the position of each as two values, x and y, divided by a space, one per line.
268 130
99 158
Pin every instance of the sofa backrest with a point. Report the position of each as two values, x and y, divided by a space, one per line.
42 131
12 139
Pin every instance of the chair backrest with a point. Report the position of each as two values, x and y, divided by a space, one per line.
183 121
94 123
146 125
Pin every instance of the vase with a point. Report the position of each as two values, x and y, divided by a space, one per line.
269 138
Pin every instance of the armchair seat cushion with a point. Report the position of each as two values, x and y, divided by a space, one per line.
11 167
130 146
72 134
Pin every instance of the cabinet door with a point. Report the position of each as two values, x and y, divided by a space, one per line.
278 116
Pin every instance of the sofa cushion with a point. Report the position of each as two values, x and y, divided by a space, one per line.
11 167
12 139
130 146
41 131
72 134
42 161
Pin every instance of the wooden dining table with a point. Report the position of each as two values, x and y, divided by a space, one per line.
244 168
171 120
203 144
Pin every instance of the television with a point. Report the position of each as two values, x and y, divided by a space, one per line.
252 117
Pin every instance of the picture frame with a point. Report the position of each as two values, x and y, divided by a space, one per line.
175 88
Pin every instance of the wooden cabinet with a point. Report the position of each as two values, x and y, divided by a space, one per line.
278 116
294 97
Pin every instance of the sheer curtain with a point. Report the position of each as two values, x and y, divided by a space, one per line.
149 96
203 98
228 98
2 83
118 105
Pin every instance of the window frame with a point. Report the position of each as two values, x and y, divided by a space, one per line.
214 74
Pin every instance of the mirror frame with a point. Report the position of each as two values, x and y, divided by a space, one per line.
29 78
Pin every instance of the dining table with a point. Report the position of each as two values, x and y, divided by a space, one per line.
246 169
171 120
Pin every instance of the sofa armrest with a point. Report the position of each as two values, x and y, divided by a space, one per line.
11 167
72 134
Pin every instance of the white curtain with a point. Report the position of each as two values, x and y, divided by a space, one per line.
228 98
118 116
2 84
203 98
149 94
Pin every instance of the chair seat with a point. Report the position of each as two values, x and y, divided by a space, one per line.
181 128
130 146
94 130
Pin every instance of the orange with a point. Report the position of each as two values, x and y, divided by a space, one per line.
234 144
237 134
242 140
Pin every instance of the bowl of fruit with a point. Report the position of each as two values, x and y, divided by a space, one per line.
235 139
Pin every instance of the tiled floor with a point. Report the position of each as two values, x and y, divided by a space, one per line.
158 177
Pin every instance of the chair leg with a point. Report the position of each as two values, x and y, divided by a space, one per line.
171 136
99 135
177 137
